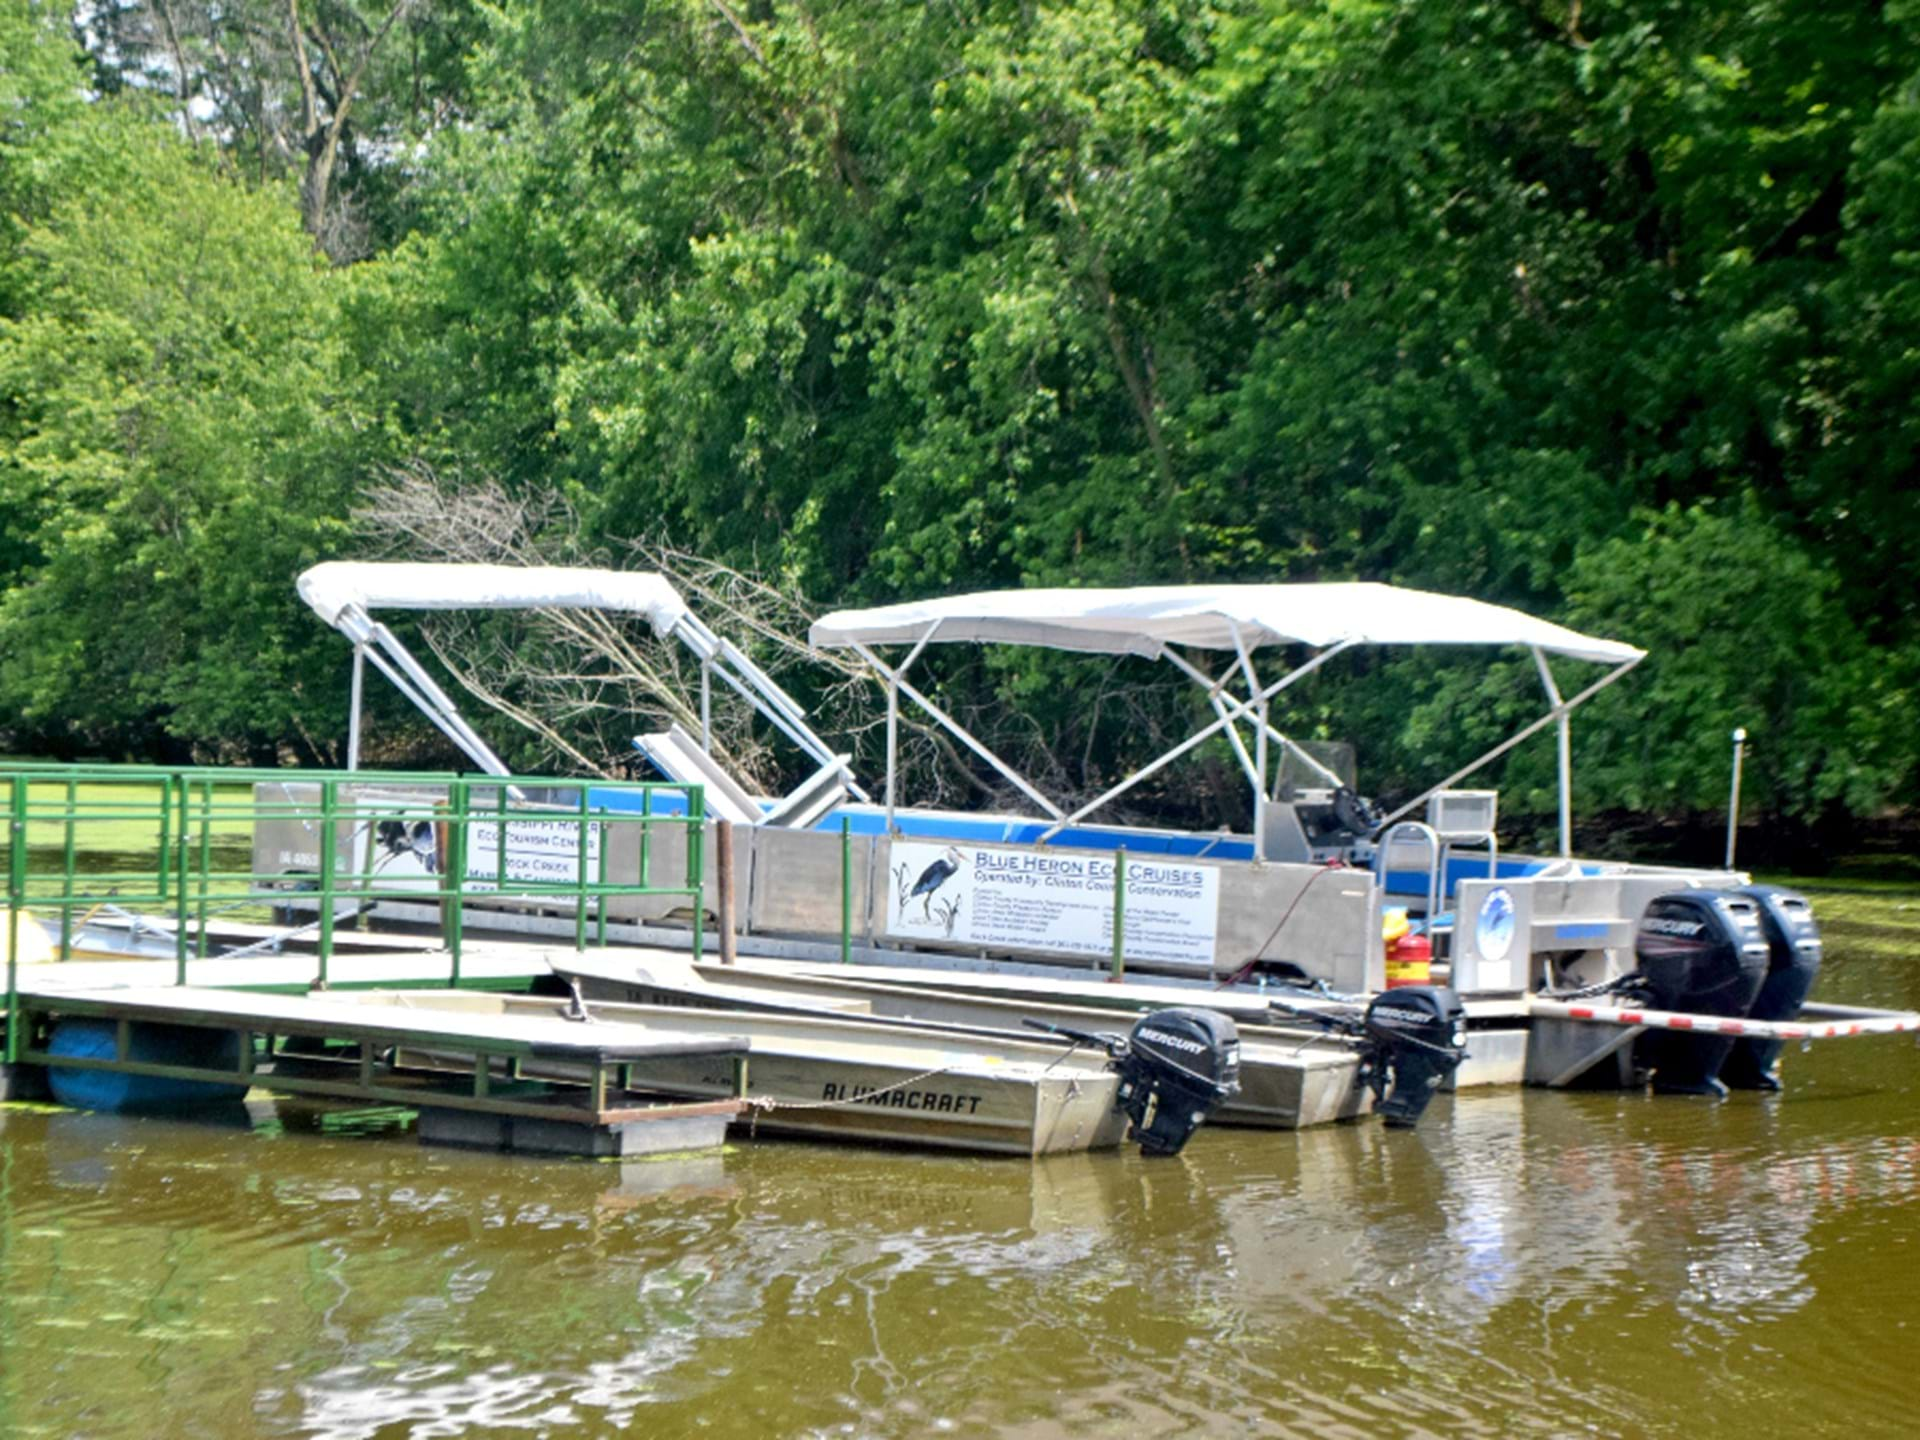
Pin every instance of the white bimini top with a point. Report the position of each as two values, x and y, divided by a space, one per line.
1143 620
339 585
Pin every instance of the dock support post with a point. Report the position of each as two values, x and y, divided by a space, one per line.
723 874
1119 914
16 898
582 846
66 875
846 890
697 865
329 846
164 866
600 905
455 875
180 896
205 866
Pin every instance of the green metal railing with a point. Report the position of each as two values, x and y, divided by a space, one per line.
145 840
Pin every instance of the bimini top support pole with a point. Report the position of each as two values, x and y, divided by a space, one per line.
1566 752
1259 745
393 660
1279 737
1236 709
892 677
343 593
719 657
1557 712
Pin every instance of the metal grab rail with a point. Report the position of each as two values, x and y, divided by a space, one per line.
177 811
1415 830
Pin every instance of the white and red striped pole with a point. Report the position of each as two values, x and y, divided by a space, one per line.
1887 1023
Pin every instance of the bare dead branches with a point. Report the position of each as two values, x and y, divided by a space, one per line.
582 683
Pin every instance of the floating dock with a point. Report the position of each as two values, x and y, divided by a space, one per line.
341 1050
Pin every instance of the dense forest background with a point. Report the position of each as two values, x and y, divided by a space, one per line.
1610 311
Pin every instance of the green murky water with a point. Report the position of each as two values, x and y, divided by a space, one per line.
1525 1264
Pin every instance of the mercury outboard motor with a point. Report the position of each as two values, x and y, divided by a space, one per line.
1793 962
1179 1066
1702 952
1411 1039
1418 1035
1176 1068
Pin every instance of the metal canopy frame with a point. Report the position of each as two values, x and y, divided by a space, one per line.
1230 711
373 641
1557 713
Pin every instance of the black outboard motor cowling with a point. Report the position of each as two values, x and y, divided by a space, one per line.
1418 1036
1177 1068
1702 953
1793 963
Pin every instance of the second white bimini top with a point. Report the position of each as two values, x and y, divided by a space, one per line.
1143 620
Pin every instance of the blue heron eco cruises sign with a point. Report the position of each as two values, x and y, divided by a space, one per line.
1055 900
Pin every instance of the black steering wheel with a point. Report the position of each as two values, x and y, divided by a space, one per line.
1353 812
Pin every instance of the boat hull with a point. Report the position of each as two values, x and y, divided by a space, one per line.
1287 1081
833 1079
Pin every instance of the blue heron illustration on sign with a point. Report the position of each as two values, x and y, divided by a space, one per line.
931 879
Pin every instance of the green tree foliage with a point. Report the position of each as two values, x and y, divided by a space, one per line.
1742 628
335 95
171 447
1603 310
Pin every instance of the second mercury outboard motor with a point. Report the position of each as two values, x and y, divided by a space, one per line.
1793 962
1702 952
1178 1067
1418 1036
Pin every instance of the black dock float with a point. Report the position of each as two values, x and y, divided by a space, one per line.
350 1054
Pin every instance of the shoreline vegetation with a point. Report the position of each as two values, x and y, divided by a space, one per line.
1602 315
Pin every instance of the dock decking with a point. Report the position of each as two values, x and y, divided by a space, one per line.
350 1052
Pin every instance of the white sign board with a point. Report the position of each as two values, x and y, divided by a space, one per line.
1055 900
545 852
405 850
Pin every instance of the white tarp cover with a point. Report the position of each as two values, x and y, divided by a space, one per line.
1142 620
331 587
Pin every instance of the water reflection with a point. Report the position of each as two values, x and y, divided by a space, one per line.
1523 1264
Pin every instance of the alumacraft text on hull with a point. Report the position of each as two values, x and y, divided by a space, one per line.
840 1078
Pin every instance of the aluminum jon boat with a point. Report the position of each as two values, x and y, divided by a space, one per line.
840 1078
1289 1078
